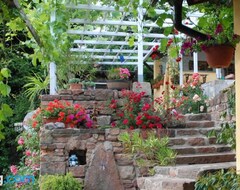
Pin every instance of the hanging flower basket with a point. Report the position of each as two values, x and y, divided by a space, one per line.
219 56
118 84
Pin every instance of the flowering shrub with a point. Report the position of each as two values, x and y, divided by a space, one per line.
118 73
64 111
218 37
134 113
28 142
193 98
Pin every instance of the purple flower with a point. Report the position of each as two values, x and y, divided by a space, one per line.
71 116
219 29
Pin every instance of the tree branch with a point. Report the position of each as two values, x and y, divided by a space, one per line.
28 23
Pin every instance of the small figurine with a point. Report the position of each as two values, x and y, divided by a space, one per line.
73 160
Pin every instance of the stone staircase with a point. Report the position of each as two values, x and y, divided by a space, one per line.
196 153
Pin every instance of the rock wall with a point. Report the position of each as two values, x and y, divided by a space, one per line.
103 165
57 145
220 104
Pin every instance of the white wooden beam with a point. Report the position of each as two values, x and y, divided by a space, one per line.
105 33
107 8
112 43
113 22
140 42
105 50
120 63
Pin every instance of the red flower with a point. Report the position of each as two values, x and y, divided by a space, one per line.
146 107
113 124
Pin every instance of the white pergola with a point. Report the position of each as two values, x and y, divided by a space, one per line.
106 40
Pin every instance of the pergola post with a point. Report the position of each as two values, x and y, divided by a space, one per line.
52 65
140 42
195 62
236 5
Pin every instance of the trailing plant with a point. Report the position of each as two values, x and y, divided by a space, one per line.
60 182
222 179
152 148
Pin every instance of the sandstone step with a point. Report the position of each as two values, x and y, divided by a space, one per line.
205 158
200 124
192 141
197 117
201 149
191 171
178 132
159 182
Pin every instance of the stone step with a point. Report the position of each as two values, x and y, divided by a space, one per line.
201 149
197 117
191 171
192 141
205 158
179 132
159 182
200 124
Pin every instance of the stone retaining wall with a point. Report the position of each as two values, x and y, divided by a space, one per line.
219 104
56 145
99 150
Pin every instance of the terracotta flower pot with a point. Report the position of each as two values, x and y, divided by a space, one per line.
75 86
219 56
118 84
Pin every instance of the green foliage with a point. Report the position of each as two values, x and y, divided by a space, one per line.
36 86
58 182
152 148
74 80
223 179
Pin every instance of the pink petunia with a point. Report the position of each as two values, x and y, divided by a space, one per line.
21 141
13 169
28 153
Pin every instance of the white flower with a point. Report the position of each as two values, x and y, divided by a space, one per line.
196 98
201 108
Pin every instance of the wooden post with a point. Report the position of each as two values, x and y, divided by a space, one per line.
156 71
236 5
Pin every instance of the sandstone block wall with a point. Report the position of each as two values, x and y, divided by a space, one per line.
220 104
57 145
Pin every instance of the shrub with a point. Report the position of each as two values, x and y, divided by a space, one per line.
60 182
224 180
152 148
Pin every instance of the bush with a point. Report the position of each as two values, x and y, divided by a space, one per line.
60 182
224 180
151 149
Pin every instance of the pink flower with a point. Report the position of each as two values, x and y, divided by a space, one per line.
28 153
13 169
125 121
21 141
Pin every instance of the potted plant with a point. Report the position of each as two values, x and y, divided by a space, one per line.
219 47
88 85
158 81
118 78
75 84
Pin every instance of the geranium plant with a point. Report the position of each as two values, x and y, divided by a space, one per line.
72 115
132 112
118 73
220 36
